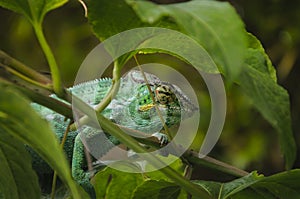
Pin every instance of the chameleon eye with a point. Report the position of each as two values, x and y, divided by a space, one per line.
164 95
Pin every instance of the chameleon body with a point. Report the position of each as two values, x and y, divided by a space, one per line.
132 107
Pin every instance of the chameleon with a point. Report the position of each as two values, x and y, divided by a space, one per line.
132 107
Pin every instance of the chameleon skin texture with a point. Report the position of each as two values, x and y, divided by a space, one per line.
132 108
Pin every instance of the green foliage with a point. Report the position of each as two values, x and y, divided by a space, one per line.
225 190
282 185
34 11
204 21
145 41
219 38
18 180
109 183
106 24
259 83
257 57
28 128
228 50
157 189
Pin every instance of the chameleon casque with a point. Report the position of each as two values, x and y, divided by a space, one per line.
132 108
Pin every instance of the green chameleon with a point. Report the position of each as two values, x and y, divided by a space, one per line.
132 108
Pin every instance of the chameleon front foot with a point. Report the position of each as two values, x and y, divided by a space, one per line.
163 138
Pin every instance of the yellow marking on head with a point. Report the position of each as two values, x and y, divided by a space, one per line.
146 107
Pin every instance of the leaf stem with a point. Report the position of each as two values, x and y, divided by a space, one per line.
56 77
62 144
107 99
113 90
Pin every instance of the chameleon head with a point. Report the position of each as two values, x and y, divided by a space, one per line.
162 95
172 103
165 100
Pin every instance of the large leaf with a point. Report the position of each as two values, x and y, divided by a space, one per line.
17 179
282 185
224 190
176 165
152 39
21 122
33 10
111 17
259 83
157 189
223 37
111 183
257 57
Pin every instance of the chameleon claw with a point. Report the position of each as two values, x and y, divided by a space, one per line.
163 138
113 120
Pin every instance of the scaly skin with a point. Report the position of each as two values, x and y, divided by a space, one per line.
132 107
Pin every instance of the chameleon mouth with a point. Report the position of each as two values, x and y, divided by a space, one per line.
146 107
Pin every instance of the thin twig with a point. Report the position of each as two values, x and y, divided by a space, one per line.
107 99
55 73
62 144
212 163
84 7
153 100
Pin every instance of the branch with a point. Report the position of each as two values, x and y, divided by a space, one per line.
41 96
212 163
9 61
25 78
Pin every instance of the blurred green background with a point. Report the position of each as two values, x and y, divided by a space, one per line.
247 141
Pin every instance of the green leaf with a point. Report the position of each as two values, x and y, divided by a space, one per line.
224 40
26 126
272 101
33 10
223 37
176 165
105 24
281 185
151 40
111 17
145 40
258 81
224 190
17 178
111 183
257 57
157 189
